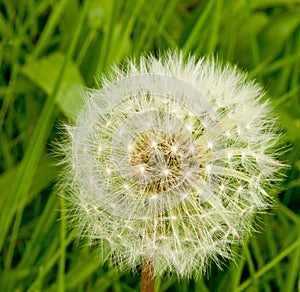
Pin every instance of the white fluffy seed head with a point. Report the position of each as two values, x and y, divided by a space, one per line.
169 161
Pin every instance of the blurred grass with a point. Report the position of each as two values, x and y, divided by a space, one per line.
50 50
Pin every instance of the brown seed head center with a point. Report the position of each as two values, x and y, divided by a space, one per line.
157 161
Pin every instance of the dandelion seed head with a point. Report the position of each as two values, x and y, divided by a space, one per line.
169 160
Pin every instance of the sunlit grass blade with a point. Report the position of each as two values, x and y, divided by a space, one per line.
270 265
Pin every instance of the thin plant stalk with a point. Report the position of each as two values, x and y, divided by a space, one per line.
148 278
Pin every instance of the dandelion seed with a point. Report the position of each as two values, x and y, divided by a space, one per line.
154 145
173 185
189 128
229 156
227 134
174 149
99 149
208 168
222 187
210 145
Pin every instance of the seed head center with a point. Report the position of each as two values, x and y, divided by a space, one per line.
156 161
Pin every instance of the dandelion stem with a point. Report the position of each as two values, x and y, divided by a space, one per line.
147 281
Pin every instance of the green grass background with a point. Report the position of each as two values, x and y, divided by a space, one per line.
51 49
